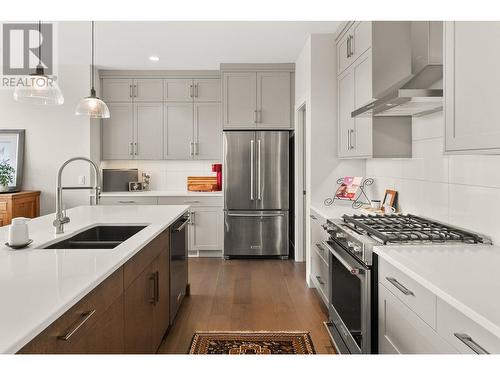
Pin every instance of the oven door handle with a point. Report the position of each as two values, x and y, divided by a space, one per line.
352 270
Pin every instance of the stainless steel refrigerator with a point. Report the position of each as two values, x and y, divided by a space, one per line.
255 179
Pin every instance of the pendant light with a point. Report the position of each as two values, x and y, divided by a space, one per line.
91 105
39 88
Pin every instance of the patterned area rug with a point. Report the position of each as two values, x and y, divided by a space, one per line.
251 343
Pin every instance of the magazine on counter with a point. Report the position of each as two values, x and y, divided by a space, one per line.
349 188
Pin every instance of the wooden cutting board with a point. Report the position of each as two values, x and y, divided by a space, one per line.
208 183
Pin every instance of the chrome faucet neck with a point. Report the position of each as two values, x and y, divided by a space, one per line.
61 217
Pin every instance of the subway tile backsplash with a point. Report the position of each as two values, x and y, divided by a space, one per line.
168 175
463 190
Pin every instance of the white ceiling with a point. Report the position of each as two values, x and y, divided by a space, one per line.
201 45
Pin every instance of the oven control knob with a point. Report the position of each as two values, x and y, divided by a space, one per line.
357 250
340 235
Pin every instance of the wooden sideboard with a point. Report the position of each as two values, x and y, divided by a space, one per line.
21 204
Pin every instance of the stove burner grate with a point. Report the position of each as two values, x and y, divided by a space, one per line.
409 228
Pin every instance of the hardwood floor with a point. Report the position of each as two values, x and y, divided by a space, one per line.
240 295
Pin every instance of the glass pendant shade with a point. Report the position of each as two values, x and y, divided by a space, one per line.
39 89
92 107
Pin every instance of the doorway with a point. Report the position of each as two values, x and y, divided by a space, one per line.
301 196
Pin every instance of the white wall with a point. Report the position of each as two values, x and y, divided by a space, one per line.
169 175
463 190
315 85
54 134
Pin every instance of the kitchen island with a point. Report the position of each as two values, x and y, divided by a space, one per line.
38 286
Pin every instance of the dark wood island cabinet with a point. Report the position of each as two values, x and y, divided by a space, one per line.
128 312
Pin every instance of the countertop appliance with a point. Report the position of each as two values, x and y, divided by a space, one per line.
256 194
178 264
353 296
118 179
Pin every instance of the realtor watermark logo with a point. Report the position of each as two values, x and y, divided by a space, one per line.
26 48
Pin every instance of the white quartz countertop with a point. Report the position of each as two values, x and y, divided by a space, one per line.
39 285
161 193
336 210
465 276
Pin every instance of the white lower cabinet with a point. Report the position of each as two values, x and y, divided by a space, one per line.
128 200
205 232
414 320
319 267
465 335
401 331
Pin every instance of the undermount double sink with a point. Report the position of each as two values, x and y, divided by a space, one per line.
98 237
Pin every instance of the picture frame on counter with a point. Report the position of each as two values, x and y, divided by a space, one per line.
390 198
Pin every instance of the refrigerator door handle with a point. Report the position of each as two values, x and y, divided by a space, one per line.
252 151
259 191
256 215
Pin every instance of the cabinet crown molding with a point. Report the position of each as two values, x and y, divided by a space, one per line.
225 67
115 73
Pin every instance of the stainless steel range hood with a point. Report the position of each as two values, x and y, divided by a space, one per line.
414 96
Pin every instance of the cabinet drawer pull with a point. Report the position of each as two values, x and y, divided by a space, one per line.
126 201
401 287
313 217
80 322
131 149
136 148
157 286
320 280
131 93
191 201
152 288
196 90
136 91
474 346
190 91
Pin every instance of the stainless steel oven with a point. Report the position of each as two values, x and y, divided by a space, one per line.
350 308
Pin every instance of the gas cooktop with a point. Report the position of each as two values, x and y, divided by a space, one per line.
358 234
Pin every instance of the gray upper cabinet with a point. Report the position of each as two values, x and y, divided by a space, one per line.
257 99
148 142
118 132
178 89
148 90
208 131
240 99
178 131
133 131
471 87
117 90
273 99
125 90
207 90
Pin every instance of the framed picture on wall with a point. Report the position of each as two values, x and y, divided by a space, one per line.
12 152
390 198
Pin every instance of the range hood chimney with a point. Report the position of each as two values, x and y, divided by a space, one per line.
415 95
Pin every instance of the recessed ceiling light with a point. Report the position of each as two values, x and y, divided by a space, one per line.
154 58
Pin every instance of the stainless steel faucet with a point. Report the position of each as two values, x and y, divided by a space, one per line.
61 217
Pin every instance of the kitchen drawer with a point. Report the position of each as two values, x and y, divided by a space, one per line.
193 201
320 275
475 338
129 200
85 319
402 331
412 294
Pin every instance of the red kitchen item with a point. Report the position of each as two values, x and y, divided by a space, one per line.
218 168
